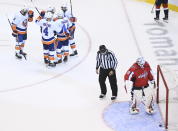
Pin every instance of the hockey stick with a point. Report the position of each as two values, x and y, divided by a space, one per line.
35 7
16 36
9 22
125 89
71 7
152 10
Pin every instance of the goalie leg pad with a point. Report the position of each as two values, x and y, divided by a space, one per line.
149 96
150 110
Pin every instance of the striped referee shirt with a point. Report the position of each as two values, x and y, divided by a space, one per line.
106 60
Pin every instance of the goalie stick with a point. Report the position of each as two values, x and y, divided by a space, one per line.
125 89
23 54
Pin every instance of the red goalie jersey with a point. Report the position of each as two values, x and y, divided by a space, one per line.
139 75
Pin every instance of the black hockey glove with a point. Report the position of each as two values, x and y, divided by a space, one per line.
30 14
55 33
42 14
14 33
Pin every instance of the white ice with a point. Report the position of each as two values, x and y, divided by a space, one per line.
35 98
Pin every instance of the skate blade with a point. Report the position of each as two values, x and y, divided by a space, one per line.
166 21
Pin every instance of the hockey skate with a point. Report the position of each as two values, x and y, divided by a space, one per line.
102 96
51 64
150 110
23 54
134 110
18 56
65 58
113 98
156 19
46 61
59 61
165 19
74 53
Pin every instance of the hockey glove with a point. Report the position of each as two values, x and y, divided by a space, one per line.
152 81
15 33
55 33
73 19
30 13
42 14
152 84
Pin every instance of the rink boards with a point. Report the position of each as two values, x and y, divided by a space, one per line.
117 117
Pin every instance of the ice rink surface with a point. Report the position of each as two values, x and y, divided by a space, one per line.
120 119
35 98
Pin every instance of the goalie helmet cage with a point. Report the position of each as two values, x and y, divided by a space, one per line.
165 90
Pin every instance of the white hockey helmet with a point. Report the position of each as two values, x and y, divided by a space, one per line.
140 61
48 15
60 15
24 10
51 9
64 7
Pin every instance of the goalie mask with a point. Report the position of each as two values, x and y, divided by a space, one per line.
140 61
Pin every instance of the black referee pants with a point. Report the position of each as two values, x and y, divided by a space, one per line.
159 2
104 73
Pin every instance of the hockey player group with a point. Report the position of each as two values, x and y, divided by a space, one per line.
57 29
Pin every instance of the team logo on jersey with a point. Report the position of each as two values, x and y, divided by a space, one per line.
143 75
128 72
24 23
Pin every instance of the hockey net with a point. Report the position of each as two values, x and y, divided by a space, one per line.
167 96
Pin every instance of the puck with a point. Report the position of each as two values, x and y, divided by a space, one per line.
160 125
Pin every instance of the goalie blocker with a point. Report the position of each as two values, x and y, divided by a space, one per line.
140 81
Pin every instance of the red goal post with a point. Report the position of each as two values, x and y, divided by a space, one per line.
160 74
167 95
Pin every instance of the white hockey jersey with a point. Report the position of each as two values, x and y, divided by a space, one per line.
70 22
48 29
62 26
21 22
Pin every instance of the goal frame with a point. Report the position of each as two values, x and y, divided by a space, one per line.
160 75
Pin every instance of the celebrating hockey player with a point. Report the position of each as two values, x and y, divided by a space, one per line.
158 4
19 27
62 38
51 9
47 29
71 27
139 79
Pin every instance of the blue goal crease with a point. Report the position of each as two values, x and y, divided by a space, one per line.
117 117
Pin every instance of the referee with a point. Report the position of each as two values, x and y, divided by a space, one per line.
106 67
